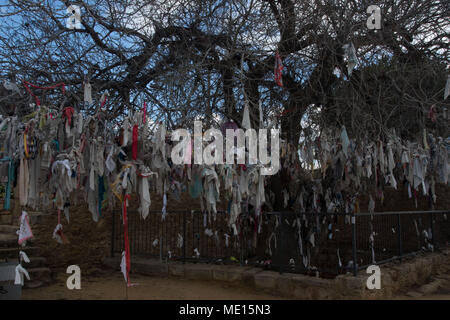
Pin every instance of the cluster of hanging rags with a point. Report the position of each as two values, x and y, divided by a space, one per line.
349 168
54 153
58 152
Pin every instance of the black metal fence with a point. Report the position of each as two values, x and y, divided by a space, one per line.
307 243
180 236
340 240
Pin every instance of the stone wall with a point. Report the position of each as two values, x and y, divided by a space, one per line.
396 278
88 241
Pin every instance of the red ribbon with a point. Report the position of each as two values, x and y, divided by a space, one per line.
432 113
60 232
38 102
125 234
134 145
145 113
278 69
104 101
82 143
68 113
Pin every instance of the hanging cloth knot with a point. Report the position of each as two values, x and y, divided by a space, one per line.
58 233
68 113
144 117
24 257
24 232
126 262
20 273
25 145
82 143
278 69
103 99
134 145
432 113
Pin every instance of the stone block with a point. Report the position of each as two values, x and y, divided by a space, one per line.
150 268
198 272
248 276
227 273
286 285
176 269
267 280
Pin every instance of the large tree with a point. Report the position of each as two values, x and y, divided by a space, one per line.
204 59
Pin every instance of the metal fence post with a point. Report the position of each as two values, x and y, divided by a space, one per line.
184 237
399 237
113 233
432 229
281 244
355 267
160 248
241 244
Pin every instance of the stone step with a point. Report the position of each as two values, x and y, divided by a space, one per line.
445 284
8 229
8 240
13 253
431 287
443 276
5 219
40 273
35 262
37 217
34 217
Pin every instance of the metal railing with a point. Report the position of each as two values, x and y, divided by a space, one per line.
402 234
351 242
155 237
306 243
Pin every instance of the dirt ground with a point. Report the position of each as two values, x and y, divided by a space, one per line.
112 287
438 296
